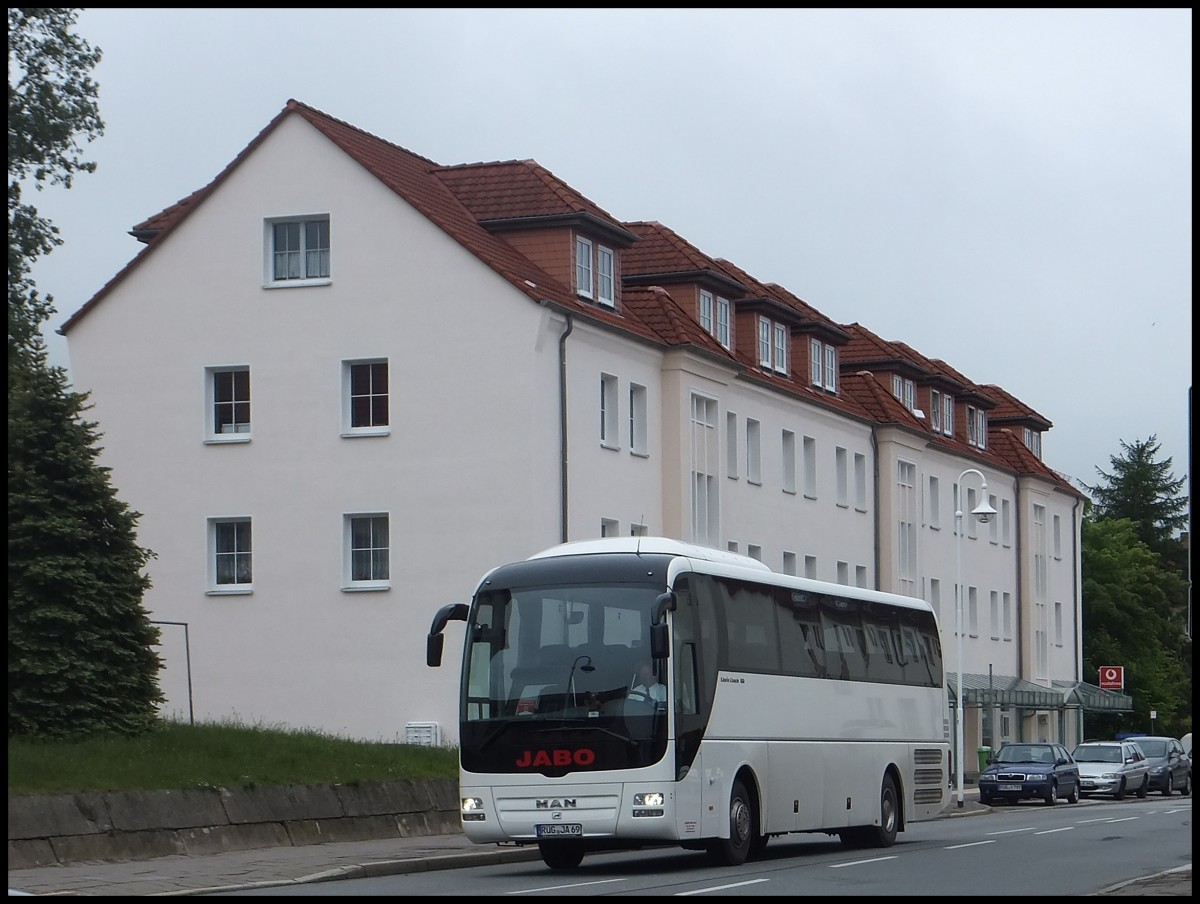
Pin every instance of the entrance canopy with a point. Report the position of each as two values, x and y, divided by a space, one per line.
1091 698
1003 690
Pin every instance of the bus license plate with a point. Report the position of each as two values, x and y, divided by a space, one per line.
1008 787
554 829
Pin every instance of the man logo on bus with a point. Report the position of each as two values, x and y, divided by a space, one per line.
565 803
582 757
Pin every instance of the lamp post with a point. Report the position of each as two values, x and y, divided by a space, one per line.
983 512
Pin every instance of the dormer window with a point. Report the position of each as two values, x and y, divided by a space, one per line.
772 345
714 316
947 414
935 410
905 390
781 348
604 277
595 272
822 364
1033 441
976 427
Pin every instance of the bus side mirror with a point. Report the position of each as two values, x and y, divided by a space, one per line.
435 640
660 641
433 649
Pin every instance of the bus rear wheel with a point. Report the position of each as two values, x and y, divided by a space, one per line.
734 850
561 854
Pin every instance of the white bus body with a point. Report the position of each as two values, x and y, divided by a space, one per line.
792 705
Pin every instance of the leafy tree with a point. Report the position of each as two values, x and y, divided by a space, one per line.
80 644
1147 493
1129 620
51 105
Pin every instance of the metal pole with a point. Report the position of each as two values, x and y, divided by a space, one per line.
958 626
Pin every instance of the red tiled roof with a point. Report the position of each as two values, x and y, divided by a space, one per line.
516 189
1011 409
459 199
662 251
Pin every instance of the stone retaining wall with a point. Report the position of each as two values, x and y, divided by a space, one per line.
140 825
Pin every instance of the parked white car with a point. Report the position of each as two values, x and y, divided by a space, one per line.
1112 767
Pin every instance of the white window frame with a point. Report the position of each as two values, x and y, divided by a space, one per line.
731 445
609 527
810 567
841 470
753 451
316 260
723 335
241 555
935 410
809 453
706 311
789 461
860 481
781 349
638 439
947 414
705 496
831 368
234 430
816 366
349 396
373 548
764 342
583 266
606 277
609 438
934 512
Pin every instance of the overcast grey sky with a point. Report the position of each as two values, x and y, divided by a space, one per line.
1010 191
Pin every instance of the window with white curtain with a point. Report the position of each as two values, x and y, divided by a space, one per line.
298 250
367 551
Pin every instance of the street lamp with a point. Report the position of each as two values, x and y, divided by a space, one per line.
984 513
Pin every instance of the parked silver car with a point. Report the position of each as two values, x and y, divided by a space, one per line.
1170 767
1112 767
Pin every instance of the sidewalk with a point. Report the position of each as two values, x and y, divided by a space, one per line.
281 866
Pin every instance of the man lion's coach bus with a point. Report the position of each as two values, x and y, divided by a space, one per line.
790 705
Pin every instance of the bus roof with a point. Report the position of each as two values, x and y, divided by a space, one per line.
722 562
650 546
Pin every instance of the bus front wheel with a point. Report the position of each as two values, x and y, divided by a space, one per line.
734 850
884 834
561 854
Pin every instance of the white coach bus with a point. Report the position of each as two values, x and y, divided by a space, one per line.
785 704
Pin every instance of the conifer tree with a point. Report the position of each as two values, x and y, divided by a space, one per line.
80 644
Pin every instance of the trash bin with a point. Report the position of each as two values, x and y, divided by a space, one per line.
985 754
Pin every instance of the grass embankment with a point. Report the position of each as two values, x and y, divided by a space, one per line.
179 756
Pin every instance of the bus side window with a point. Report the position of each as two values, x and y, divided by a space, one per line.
685 680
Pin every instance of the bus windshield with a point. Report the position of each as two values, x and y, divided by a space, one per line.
545 665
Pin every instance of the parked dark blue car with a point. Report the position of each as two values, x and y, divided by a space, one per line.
1019 771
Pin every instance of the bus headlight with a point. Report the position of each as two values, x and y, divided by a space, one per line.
471 809
649 803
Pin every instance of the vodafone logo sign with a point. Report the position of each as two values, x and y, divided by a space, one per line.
1112 677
